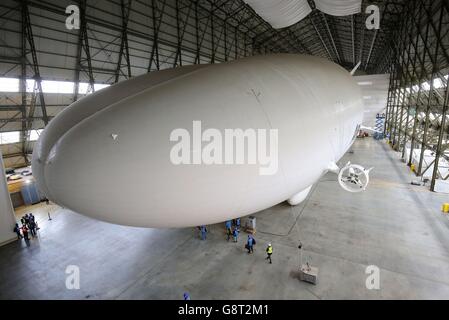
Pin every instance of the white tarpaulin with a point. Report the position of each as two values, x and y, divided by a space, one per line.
281 13
339 7
284 13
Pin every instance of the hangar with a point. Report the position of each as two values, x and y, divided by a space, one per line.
94 94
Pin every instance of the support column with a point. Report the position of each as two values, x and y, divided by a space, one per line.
7 218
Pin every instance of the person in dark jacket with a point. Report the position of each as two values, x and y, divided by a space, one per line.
228 225
237 223
27 219
250 244
235 234
32 226
17 231
203 232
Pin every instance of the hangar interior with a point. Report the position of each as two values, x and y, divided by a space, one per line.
395 225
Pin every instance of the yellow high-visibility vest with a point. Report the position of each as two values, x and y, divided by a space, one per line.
270 249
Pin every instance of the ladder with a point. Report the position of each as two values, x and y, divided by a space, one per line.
380 118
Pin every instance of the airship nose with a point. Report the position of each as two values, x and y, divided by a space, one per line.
85 167
84 154
89 164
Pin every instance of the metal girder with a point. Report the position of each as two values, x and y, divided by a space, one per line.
420 55
23 134
180 30
124 49
434 70
35 65
353 40
83 46
321 38
27 38
331 36
439 149
420 79
15 119
371 49
156 15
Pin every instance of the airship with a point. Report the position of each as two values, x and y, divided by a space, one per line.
201 144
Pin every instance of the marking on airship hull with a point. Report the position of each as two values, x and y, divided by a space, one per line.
256 95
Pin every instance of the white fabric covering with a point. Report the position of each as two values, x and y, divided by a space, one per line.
281 13
339 7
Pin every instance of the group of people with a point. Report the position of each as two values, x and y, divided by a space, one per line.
233 227
29 225
233 230
251 242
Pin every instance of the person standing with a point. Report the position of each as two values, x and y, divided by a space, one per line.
25 233
235 234
17 231
250 244
32 225
228 226
25 219
33 219
203 232
237 223
269 251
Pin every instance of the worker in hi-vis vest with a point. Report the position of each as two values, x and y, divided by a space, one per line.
269 252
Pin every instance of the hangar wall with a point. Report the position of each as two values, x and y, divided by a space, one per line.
418 96
6 210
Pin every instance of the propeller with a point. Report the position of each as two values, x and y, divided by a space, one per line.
353 177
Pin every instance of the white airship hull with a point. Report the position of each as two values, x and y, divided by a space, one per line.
108 155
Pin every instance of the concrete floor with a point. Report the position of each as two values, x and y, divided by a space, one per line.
393 225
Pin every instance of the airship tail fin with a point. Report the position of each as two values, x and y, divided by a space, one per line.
355 68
